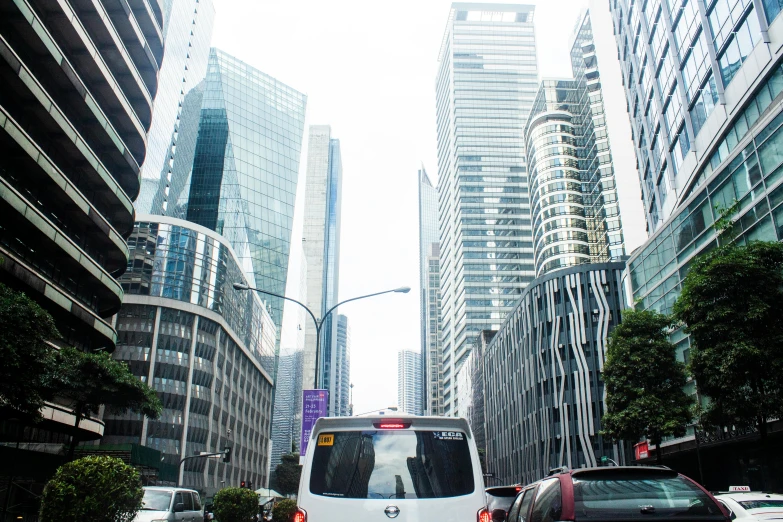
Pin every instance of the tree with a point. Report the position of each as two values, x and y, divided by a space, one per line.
28 361
98 489
90 380
235 504
731 306
644 381
288 473
284 510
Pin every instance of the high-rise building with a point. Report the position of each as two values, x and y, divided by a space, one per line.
321 242
238 168
78 81
703 82
342 368
409 382
486 81
205 347
429 285
187 32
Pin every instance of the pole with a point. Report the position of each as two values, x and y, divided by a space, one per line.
202 456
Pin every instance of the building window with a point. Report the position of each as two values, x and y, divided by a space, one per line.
740 44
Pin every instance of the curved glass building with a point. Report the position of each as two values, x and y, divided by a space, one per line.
206 348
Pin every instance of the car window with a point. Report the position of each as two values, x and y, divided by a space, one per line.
196 502
156 500
548 505
392 464
187 499
640 495
524 509
499 502
759 504
178 499
513 513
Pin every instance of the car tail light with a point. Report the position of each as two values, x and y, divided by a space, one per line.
392 424
300 515
483 515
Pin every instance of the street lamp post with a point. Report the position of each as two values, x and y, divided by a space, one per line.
319 323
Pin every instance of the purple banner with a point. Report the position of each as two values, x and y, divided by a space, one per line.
315 404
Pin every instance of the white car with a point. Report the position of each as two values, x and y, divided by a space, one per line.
752 507
375 468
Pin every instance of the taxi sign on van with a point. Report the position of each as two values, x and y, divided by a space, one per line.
326 439
739 489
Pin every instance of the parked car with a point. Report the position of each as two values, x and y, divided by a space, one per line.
608 494
499 500
375 468
753 507
170 505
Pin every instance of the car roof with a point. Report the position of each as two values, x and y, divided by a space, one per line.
168 488
622 470
365 422
749 495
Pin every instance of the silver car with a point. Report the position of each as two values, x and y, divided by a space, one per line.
166 504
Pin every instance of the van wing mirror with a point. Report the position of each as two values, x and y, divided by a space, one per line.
179 507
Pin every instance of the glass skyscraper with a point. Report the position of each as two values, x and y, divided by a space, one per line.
429 285
321 243
409 382
187 32
342 371
486 81
238 171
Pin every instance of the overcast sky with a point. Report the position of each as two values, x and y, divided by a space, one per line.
368 69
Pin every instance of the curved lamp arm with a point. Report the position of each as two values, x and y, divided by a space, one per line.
401 290
242 286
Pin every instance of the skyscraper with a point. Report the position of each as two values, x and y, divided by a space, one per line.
342 370
409 382
239 177
429 284
486 81
321 242
703 85
187 31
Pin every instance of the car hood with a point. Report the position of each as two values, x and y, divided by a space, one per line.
147 516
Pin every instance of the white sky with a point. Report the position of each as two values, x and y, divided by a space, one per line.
368 68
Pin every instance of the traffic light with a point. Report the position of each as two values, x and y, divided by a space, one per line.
250 485
226 454
242 484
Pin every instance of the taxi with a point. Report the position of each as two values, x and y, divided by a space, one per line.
749 506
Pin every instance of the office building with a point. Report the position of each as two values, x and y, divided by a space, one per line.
703 82
187 32
486 81
470 389
205 347
238 169
429 285
321 242
409 382
78 83
342 369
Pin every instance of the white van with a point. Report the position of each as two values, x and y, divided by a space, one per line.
375 468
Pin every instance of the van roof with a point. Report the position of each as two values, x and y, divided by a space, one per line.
365 422
169 488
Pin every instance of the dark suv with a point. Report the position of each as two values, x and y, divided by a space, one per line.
616 494
499 500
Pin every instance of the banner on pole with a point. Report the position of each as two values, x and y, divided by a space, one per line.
315 404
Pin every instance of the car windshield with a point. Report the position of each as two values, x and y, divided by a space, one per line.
501 498
155 500
759 504
613 496
392 464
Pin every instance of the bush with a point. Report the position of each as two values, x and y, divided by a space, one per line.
284 510
98 489
235 504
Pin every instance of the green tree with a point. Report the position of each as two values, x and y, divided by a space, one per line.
731 304
98 489
235 504
288 473
644 381
28 361
90 380
284 510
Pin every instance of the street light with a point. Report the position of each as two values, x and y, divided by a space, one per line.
320 323
391 408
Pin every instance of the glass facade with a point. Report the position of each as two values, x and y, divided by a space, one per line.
321 243
187 32
409 382
206 348
429 285
342 371
486 81
549 414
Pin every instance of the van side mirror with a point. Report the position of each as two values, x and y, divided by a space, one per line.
498 515
179 507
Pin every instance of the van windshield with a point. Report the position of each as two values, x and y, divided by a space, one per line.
156 500
391 464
